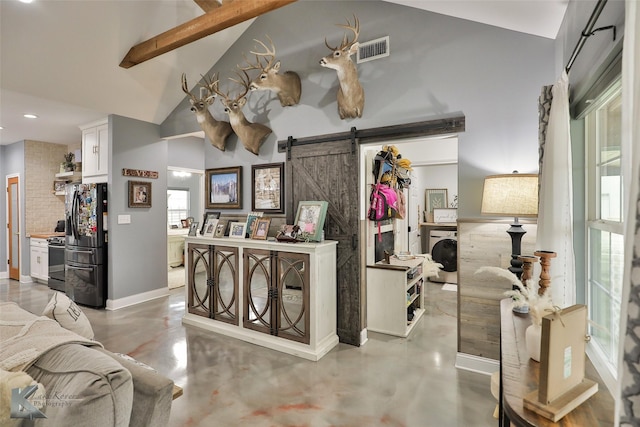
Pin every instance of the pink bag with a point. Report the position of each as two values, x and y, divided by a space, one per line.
383 203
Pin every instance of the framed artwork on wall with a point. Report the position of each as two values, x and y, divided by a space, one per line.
223 188
434 198
267 188
139 194
310 218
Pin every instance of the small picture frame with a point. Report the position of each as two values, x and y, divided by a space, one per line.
221 228
139 194
237 229
210 227
310 218
185 223
251 218
445 216
206 217
193 228
261 229
435 198
223 188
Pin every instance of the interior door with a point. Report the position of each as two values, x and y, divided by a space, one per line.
13 228
329 171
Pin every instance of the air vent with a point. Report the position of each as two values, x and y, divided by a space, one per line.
374 49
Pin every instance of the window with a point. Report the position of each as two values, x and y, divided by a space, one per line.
605 224
177 207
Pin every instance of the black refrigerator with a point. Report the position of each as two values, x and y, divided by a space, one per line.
86 244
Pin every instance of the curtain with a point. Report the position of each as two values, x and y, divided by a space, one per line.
555 213
628 411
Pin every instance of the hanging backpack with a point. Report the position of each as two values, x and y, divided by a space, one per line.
383 203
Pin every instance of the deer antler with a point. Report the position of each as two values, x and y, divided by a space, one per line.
185 88
244 82
345 41
213 85
209 83
269 55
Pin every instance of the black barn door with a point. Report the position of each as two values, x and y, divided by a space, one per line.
329 171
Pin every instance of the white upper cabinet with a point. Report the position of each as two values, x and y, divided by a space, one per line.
95 152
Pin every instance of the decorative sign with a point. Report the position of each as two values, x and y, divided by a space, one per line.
140 173
445 215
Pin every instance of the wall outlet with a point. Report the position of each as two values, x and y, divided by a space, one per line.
124 219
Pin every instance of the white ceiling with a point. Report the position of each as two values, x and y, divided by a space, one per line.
60 59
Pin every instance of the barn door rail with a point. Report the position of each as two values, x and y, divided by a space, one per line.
442 125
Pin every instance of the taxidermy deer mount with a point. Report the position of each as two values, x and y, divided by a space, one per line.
252 135
350 92
216 131
287 85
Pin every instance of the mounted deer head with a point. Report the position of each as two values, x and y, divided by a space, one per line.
287 85
216 131
350 92
252 135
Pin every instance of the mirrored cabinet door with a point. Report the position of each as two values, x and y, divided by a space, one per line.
200 277
293 296
225 286
258 290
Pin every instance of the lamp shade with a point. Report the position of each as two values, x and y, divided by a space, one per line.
511 194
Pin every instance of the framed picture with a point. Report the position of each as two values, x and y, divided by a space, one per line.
59 186
206 217
210 227
185 223
261 228
237 229
193 228
435 198
221 228
310 218
251 218
139 194
267 188
223 188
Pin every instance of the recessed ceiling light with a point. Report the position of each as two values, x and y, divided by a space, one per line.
1 128
26 1
30 116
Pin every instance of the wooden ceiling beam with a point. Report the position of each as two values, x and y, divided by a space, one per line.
225 16
207 5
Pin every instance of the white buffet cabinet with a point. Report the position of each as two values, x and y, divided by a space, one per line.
282 296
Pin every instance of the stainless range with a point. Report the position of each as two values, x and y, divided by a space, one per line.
56 263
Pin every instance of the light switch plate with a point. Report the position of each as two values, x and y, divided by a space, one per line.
124 219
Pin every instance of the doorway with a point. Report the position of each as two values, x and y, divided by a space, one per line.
13 227
185 199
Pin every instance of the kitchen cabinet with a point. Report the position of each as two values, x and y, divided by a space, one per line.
95 152
286 294
212 284
39 259
395 296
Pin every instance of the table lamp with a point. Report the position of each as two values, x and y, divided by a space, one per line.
515 195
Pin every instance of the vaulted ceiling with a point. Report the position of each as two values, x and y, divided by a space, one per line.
61 60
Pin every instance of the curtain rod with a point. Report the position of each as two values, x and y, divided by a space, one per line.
589 31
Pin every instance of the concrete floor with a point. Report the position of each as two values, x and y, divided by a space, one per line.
387 382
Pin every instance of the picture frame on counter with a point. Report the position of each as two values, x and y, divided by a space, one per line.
435 198
193 228
223 188
445 215
206 217
267 188
237 229
310 218
139 194
221 228
210 227
59 186
261 229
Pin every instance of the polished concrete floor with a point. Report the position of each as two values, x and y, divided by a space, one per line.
388 381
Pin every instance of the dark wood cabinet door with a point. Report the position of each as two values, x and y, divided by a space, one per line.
258 290
292 296
329 171
225 285
200 279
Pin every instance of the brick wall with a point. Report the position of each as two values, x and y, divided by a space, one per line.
43 208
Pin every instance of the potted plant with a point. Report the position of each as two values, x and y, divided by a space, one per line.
69 166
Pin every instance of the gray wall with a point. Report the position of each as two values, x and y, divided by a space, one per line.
187 152
137 251
12 162
437 65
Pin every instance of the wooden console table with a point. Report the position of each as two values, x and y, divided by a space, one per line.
519 376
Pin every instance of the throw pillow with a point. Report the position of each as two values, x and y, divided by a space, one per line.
68 315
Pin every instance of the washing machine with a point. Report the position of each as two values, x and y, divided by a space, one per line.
443 247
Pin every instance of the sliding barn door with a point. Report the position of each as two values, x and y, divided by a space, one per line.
329 171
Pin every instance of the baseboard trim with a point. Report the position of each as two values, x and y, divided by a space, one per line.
364 336
116 304
4 274
481 365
